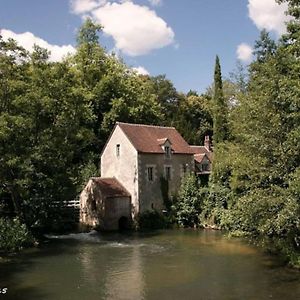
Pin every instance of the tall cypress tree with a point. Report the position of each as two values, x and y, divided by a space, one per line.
220 127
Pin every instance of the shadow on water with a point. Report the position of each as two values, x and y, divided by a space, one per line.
14 265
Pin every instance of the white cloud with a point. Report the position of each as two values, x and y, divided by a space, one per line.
136 29
84 6
155 2
141 70
244 52
27 40
268 14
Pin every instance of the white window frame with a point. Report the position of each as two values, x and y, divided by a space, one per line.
118 148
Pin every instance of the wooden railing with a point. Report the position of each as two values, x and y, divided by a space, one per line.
69 209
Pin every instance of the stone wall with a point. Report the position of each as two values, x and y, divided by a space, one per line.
150 194
91 205
99 211
115 209
122 167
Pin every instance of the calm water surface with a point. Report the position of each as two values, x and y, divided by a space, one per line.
177 264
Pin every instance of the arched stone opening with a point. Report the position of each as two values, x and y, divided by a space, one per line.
124 223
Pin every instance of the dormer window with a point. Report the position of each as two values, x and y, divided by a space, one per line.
118 150
166 146
167 151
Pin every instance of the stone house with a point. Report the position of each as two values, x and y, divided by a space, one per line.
105 203
137 160
203 156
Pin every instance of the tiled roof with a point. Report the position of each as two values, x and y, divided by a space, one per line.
199 157
200 152
111 187
149 138
199 149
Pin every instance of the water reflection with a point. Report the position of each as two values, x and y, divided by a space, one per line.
173 265
120 273
125 279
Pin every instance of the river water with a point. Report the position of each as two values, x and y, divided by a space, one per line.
171 264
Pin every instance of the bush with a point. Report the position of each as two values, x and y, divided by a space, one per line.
189 202
217 199
271 212
152 219
13 235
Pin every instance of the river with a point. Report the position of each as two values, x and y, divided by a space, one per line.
170 264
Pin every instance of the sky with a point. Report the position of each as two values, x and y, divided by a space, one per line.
178 38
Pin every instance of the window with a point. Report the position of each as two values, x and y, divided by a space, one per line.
167 151
168 173
205 167
118 150
150 173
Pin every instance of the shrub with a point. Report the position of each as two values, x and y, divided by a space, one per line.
189 202
13 235
152 219
271 212
217 199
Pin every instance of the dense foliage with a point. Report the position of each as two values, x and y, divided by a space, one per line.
13 235
152 219
56 116
189 202
254 190
260 164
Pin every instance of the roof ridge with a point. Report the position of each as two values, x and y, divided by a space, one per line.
197 146
146 125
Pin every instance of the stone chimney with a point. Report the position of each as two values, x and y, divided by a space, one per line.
207 143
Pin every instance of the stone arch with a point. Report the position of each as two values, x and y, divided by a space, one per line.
124 223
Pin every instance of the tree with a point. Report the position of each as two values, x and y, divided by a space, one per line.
41 135
239 78
220 127
264 153
264 47
113 92
166 95
193 118
188 206
87 33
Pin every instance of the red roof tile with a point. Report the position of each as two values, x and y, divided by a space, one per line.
200 151
148 138
111 187
199 157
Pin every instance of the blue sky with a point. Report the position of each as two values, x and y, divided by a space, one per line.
179 38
